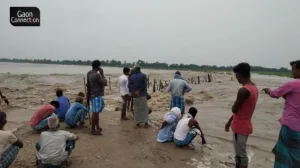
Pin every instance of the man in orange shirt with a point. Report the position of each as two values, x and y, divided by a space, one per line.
39 119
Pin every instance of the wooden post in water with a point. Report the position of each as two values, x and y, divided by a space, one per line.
209 77
161 85
154 83
109 83
148 83
198 79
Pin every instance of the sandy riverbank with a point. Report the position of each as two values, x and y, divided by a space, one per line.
123 146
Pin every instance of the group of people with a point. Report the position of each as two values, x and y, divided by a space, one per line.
287 148
179 127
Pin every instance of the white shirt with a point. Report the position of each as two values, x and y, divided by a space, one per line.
123 85
182 129
53 146
7 138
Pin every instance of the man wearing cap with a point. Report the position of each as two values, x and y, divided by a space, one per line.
55 145
137 84
178 86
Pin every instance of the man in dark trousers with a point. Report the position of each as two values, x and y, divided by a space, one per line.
95 91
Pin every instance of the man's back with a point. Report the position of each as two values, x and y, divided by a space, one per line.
75 107
177 87
53 146
46 109
123 85
64 105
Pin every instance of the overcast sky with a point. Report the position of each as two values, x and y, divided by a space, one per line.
212 32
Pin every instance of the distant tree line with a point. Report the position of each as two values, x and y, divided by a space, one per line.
143 64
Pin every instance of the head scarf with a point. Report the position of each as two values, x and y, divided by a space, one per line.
178 77
53 122
176 111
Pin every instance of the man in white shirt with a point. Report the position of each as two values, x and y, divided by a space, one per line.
9 144
55 145
124 91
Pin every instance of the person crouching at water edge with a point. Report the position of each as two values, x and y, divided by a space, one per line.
76 113
168 127
178 86
138 85
39 119
54 145
9 144
187 129
64 104
287 148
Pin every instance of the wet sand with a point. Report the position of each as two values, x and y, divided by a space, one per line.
123 146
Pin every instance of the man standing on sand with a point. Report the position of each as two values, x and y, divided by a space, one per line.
287 148
242 110
137 84
95 89
124 91
178 86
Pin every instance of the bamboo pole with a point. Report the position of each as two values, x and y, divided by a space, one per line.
88 107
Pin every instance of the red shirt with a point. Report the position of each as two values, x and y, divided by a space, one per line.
41 113
241 123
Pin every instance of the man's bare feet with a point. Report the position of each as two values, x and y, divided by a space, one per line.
147 125
81 126
125 118
137 126
96 133
190 147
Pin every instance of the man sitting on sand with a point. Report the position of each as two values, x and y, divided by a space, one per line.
39 119
287 149
178 86
138 86
186 130
55 145
64 104
167 129
76 113
242 109
9 144
124 91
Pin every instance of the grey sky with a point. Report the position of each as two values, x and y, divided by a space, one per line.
213 32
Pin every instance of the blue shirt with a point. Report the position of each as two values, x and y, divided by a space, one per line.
138 81
64 105
72 112
166 134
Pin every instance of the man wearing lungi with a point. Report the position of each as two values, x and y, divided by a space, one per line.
178 86
137 84
9 144
95 91
287 148
242 110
